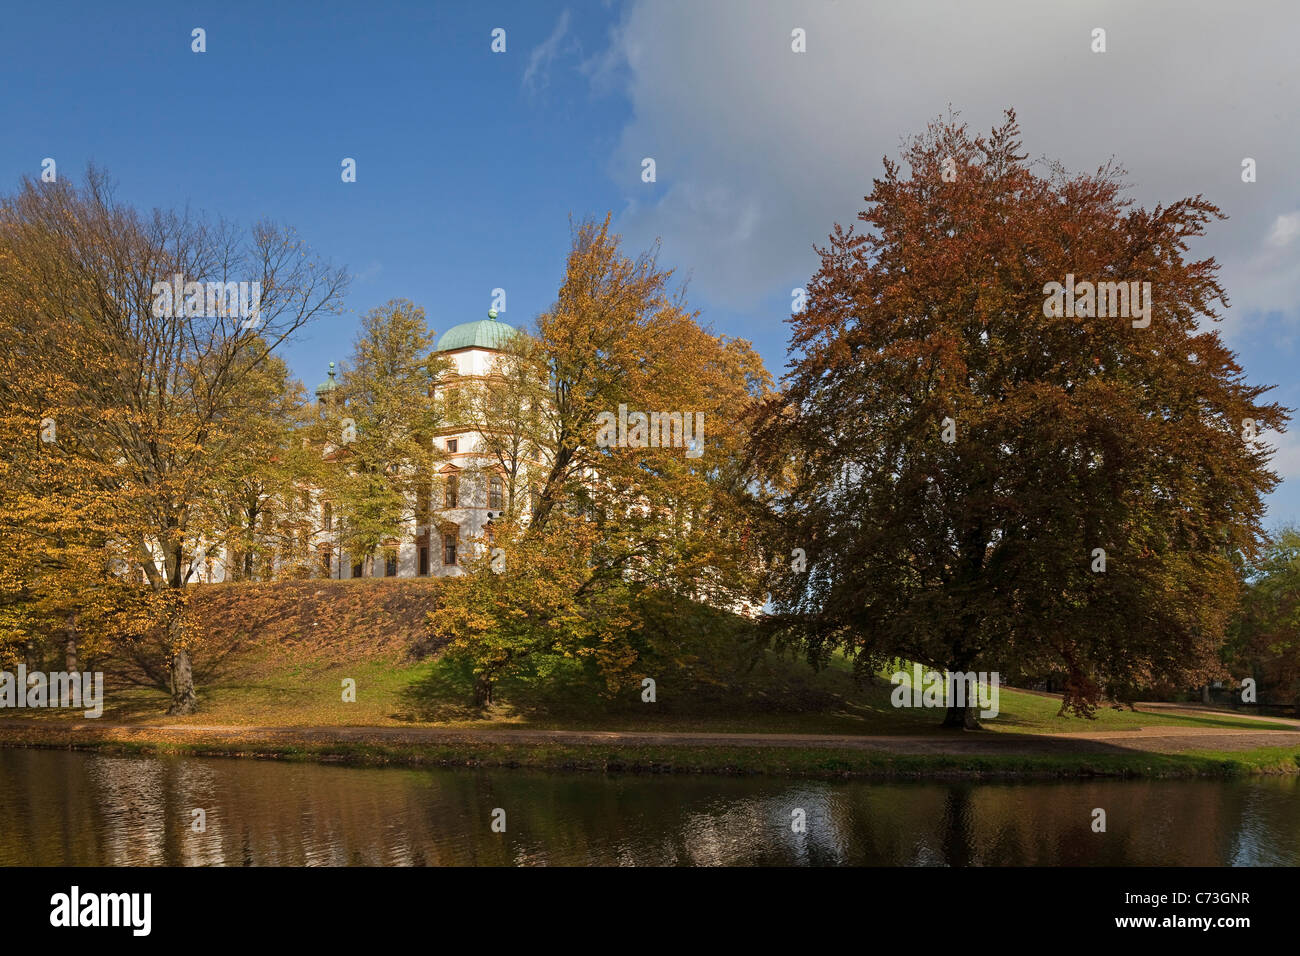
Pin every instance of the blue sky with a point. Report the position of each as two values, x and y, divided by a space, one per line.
465 178
469 163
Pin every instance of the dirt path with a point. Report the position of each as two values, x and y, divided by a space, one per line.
1148 739
1200 710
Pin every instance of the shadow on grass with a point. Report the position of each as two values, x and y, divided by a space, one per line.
444 694
768 693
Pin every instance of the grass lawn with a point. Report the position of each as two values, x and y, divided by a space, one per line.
777 694
292 646
295 644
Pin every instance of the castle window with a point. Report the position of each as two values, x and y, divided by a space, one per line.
495 487
453 491
452 445
448 549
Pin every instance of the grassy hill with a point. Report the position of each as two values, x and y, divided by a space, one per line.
285 649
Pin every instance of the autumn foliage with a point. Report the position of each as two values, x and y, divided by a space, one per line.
611 530
954 462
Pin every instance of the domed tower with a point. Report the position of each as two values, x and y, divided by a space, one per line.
484 334
327 391
466 488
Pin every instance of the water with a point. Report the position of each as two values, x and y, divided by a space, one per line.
65 808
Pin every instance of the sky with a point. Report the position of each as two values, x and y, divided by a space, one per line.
470 163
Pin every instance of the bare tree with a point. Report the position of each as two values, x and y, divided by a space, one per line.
146 315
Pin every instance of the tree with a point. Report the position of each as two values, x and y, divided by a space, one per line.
378 430
542 603
959 467
1266 627
506 412
262 500
56 567
615 526
156 370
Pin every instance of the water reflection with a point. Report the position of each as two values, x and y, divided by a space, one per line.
61 808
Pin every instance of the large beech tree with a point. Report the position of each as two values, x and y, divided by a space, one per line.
1069 437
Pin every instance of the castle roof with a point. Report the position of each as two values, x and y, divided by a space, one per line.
483 334
327 386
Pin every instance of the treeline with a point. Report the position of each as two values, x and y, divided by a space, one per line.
951 473
141 444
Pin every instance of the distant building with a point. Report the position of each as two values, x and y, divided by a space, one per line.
452 511
450 514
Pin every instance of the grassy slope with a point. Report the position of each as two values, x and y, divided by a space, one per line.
273 692
299 640
298 644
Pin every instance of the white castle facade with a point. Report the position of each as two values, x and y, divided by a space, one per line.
451 518
454 516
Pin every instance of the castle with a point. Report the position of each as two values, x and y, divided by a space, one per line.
459 508
451 514
448 519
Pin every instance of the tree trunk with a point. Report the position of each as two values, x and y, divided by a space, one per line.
1205 694
184 700
967 715
70 643
483 692
963 718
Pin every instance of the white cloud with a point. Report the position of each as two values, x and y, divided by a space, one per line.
760 150
1287 460
537 73
1282 506
1285 230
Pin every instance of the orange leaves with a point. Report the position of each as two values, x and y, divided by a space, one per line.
1070 434
611 523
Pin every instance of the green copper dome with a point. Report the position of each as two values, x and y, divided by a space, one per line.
328 385
484 334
